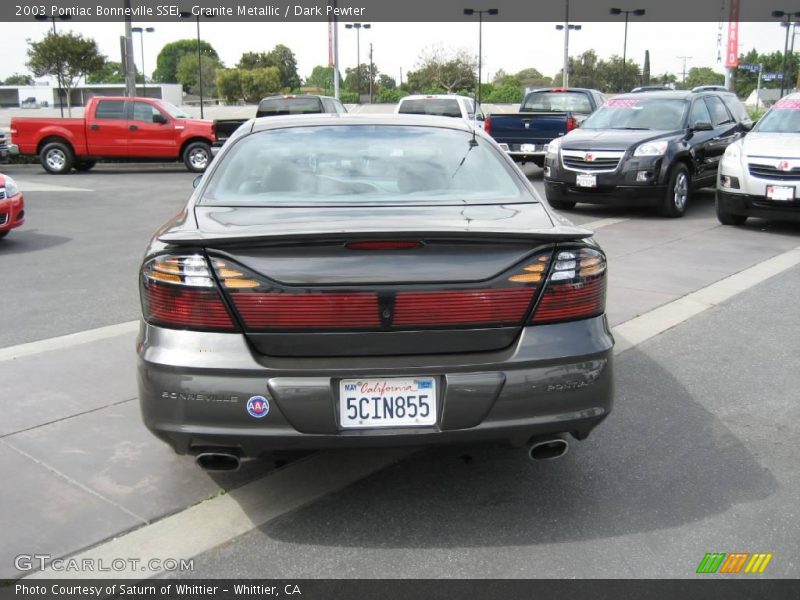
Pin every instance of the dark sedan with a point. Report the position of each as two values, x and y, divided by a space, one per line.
340 281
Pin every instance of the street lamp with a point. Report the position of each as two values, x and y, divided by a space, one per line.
358 27
638 12
208 15
567 27
469 12
788 15
141 31
62 17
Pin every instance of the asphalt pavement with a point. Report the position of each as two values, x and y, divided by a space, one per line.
698 456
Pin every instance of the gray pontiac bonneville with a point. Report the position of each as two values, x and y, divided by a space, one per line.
355 281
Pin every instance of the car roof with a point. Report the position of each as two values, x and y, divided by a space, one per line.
554 88
288 121
436 96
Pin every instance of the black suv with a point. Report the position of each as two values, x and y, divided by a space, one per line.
645 148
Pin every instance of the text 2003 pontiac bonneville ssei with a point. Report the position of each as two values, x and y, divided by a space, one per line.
357 281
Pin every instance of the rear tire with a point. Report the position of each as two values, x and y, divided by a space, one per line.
555 198
676 198
57 158
197 156
3 234
84 165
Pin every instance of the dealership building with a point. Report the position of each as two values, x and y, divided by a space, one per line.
22 96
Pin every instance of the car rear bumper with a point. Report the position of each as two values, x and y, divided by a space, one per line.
748 205
194 387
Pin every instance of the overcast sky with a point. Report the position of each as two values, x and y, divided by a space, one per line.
510 46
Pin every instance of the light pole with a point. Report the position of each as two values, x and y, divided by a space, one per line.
567 27
638 12
370 72
141 31
469 12
781 14
685 59
358 27
208 15
62 17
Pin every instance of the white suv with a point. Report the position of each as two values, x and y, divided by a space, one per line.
441 105
759 175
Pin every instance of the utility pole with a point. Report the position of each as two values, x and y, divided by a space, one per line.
684 59
370 73
129 66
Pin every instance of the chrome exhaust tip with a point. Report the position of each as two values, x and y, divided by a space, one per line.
218 461
548 449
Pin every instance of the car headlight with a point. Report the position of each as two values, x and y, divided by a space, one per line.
651 148
11 187
553 147
732 152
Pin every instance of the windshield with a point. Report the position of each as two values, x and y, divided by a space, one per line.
440 107
303 105
379 164
783 118
172 110
663 114
557 102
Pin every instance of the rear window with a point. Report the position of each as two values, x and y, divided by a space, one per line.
557 102
273 107
110 109
440 107
374 164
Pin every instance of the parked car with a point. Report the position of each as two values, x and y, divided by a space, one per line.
370 280
119 128
276 106
760 174
648 148
4 148
12 205
544 115
441 105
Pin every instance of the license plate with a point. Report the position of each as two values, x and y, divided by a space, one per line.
780 192
584 180
394 402
529 148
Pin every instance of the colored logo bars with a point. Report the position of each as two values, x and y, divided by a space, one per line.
720 562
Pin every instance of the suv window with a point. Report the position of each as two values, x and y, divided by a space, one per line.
441 107
737 109
110 109
328 105
699 113
719 114
557 102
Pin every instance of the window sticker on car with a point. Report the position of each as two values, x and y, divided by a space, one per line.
621 103
787 104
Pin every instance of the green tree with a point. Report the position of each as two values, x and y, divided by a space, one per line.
390 96
19 79
282 57
111 72
385 82
187 74
745 82
253 60
533 78
703 76
257 83
171 54
507 93
351 79
446 70
321 78
229 85
67 56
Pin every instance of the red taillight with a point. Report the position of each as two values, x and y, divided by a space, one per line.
572 123
489 306
281 310
576 287
487 125
178 291
383 245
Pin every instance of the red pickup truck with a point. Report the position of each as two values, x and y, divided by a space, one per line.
117 128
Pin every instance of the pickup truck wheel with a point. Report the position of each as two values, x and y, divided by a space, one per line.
84 165
676 198
56 158
196 156
555 198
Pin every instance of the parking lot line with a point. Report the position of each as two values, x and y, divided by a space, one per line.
600 223
35 186
63 342
219 520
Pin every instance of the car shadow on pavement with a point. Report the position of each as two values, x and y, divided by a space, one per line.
23 241
661 460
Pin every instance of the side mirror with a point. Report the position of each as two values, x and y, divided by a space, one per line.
160 119
196 181
702 126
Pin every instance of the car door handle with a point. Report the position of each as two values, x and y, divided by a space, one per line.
133 128
95 127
